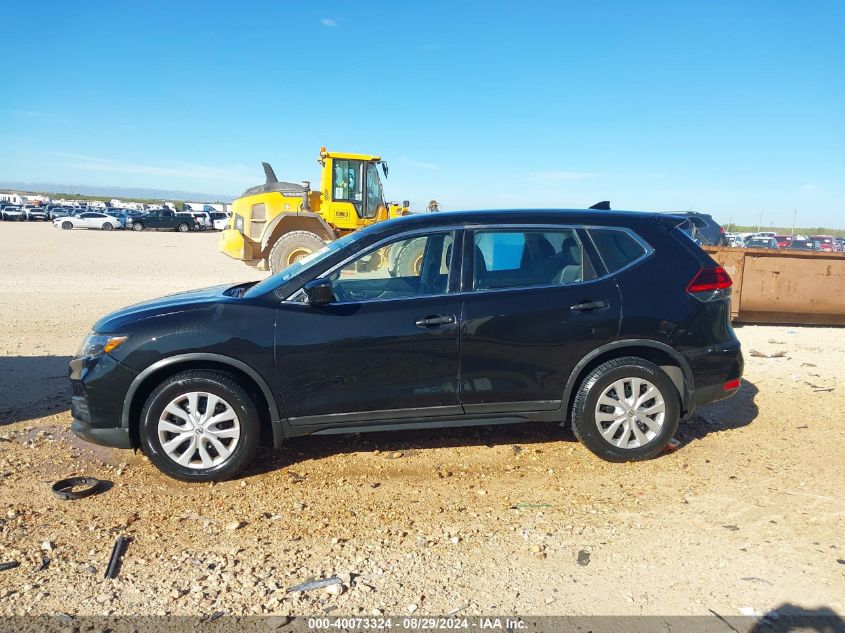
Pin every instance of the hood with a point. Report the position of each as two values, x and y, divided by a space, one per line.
181 301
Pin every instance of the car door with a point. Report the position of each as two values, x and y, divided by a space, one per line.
534 306
84 220
386 349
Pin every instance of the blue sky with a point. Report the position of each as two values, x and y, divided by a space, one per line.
728 107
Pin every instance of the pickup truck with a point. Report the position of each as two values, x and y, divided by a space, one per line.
163 220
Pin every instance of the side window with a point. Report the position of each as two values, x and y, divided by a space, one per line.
409 267
528 257
616 248
348 175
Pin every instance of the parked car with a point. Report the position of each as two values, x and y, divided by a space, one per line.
125 214
783 240
34 213
611 321
840 244
203 218
704 229
163 219
761 242
826 242
60 212
219 221
88 220
803 245
12 212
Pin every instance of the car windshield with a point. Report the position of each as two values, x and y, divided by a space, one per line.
301 264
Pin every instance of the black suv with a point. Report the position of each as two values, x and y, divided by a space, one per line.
613 321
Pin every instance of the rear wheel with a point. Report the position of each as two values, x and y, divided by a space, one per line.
107 226
137 226
292 247
626 409
200 426
67 226
183 228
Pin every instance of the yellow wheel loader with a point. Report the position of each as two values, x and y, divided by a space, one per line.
277 223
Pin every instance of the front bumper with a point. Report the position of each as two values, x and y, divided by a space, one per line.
98 387
115 438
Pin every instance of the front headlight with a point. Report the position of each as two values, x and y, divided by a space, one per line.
96 344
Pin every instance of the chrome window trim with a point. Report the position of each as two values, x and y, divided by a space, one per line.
452 228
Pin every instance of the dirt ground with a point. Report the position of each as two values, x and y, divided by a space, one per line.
745 517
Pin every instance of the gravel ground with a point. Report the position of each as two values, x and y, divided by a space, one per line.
746 516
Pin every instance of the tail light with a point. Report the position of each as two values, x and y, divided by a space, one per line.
731 385
710 279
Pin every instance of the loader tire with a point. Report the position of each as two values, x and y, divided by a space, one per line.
291 247
407 262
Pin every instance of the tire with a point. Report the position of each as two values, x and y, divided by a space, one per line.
183 228
407 261
137 226
232 398
291 247
623 373
107 226
67 226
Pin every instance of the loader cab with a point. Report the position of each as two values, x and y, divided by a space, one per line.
352 186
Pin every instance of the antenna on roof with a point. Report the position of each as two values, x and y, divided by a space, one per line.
604 205
270 174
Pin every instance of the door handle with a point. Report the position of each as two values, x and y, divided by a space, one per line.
435 320
586 306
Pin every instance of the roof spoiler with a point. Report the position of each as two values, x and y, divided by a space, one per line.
604 205
269 173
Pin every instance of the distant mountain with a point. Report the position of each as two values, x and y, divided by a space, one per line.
109 192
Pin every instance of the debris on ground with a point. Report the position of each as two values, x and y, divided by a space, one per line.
674 444
583 558
114 562
818 388
756 354
9 565
316 584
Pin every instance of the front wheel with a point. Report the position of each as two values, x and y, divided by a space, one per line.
292 247
137 226
200 426
183 228
626 409
67 226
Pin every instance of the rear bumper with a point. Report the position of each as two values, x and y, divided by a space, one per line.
115 438
713 368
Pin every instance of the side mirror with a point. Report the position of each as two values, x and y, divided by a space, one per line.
319 291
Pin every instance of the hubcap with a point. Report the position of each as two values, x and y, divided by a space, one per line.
199 430
630 413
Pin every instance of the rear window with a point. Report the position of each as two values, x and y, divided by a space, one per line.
616 247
